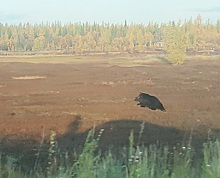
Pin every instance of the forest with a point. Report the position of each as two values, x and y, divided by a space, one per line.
80 38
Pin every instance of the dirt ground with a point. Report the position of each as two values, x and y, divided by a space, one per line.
73 97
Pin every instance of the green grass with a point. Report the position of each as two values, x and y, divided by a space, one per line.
111 60
134 162
47 59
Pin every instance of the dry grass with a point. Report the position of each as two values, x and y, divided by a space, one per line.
127 61
32 77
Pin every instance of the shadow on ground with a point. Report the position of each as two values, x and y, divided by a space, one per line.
30 153
116 134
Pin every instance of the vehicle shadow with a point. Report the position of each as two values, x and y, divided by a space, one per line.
115 134
30 154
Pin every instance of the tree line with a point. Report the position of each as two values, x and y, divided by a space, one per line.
79 38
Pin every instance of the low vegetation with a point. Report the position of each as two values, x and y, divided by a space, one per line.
134 162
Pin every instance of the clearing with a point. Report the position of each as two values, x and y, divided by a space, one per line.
71 95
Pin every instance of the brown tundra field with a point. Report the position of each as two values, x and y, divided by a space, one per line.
71 95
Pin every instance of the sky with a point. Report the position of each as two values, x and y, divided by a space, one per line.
112 11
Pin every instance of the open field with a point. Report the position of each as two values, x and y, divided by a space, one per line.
71 95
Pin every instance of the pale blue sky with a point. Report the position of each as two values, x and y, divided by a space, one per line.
113 11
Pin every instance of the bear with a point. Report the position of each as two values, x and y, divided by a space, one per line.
152 102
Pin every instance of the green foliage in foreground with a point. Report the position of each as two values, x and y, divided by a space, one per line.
139 162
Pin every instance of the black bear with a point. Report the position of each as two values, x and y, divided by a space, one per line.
152 102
